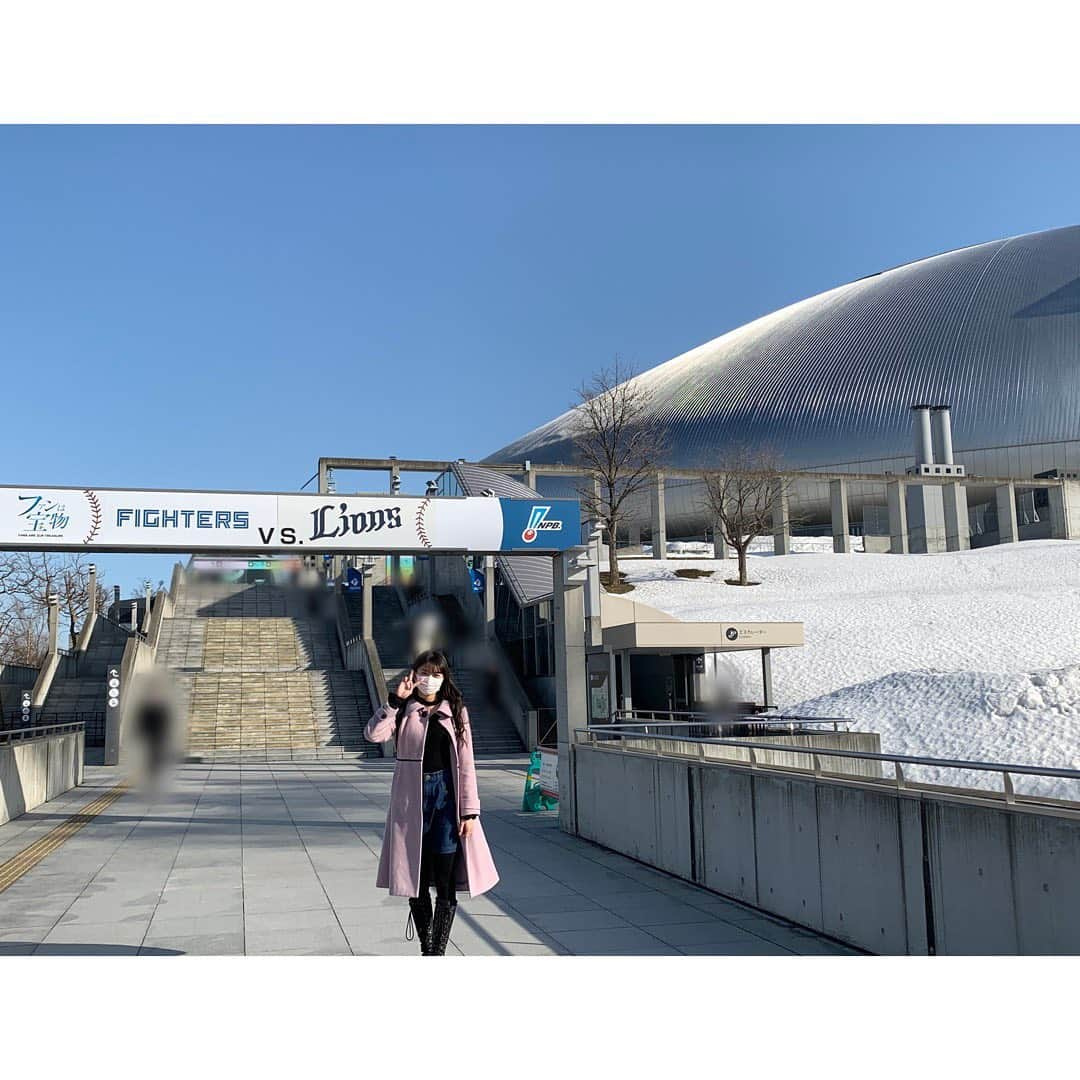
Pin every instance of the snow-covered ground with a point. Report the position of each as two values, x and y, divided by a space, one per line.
971 654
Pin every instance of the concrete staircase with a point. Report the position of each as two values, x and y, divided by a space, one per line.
261 677
79 685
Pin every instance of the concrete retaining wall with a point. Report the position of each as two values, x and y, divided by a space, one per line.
892 871
36 770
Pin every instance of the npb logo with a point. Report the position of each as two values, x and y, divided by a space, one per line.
539 522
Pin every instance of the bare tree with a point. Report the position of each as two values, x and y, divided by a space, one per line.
619 447
741 495
27 579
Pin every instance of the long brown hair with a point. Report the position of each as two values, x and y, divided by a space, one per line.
448 692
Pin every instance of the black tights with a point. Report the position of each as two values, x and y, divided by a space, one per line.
439 870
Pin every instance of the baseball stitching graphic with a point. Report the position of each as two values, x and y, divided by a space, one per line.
95 516
421 531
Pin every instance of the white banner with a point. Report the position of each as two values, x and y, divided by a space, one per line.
195 521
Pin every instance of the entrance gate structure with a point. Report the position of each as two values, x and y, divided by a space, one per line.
126 520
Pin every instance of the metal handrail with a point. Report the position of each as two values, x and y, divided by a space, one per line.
22 734
861 755
650 717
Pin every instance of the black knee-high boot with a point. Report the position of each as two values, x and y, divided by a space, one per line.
420 913
422 918
445 902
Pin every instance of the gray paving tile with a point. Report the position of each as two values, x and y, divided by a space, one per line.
621 941
316 941
164 926
198 945
643 910
596 919
701 933
736 948
572 901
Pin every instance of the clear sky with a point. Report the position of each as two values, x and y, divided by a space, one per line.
216 307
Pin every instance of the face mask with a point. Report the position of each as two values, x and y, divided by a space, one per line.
429 684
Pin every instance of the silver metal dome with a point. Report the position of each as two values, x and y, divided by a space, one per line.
993 330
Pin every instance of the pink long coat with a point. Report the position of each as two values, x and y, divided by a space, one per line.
399 862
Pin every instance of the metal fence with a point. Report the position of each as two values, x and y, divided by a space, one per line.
92 722
677 746
691 724
20 734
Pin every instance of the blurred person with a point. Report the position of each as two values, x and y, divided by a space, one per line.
433 834
154 722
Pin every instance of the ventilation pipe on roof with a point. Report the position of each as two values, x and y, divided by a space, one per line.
924 445
942 434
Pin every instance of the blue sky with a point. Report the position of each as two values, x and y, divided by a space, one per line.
216 307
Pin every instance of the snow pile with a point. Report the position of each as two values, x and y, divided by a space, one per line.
972 654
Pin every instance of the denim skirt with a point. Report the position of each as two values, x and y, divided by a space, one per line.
440 819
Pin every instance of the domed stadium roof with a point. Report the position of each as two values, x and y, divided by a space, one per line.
992 330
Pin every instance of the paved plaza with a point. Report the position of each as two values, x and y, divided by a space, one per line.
280 859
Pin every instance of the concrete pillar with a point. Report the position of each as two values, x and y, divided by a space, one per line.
720 547
489 596
613 697
1065 510
54 620
367 603
841 534
146 608
926 518
91 609
766 676
593 627
898 529
134 621
395 477
781 521
957 530
571 679
530 475
627 690
1005 496
659 519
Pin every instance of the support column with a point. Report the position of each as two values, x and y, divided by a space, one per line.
612 682
489 597
593 626
898 530
635 536
957 529
530 475
87 630
571 679
1065 510
841 535
766 676
134 615
781 521
54 620
146 609
659 519
720 547
1005 497
627 690
367 603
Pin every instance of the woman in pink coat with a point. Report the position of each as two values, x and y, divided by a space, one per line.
433 833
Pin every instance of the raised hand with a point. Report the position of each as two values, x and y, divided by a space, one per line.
405 687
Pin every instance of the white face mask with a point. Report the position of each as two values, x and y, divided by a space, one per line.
429 685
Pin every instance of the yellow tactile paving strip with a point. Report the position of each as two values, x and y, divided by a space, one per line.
29 857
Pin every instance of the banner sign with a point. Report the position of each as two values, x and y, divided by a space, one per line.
88 519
